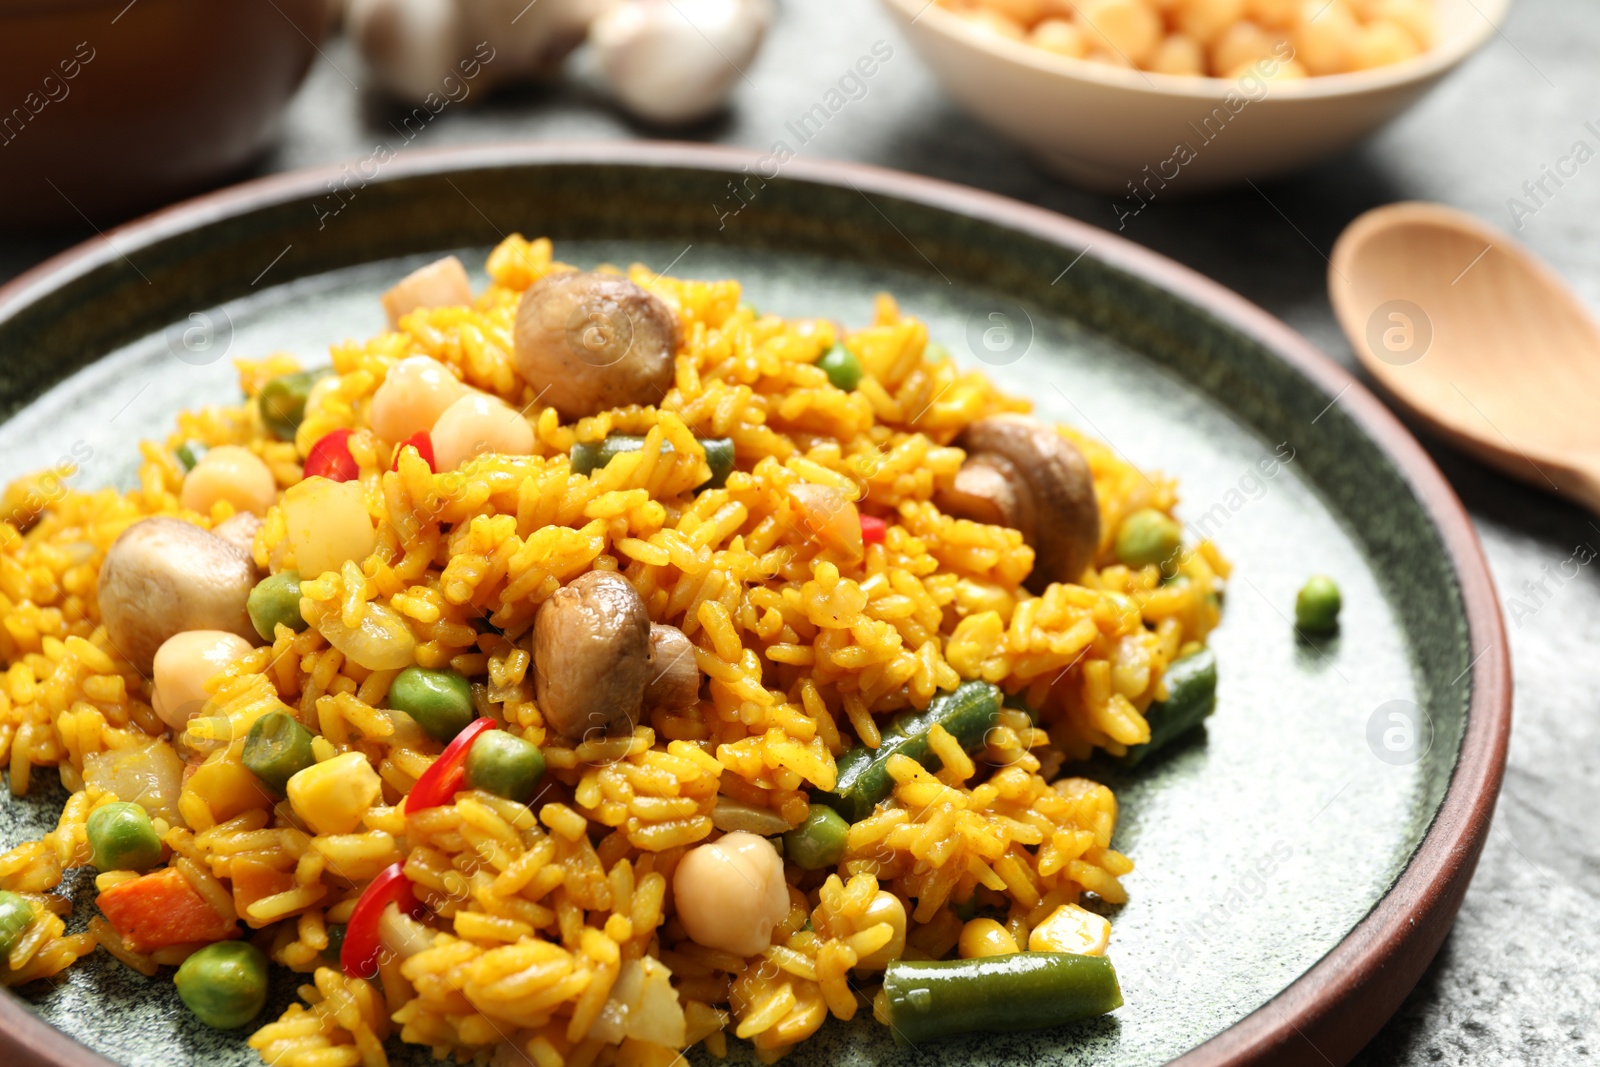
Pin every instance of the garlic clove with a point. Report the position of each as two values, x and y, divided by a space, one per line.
410 45
675 61
519 41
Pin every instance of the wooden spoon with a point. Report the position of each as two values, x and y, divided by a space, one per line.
1478 338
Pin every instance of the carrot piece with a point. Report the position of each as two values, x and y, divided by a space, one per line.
160 909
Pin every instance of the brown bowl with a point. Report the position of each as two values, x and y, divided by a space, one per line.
110 107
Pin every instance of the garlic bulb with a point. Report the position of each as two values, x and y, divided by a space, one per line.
675 61
448 49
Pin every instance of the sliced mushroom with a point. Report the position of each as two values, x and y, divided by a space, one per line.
164 576
591 655
674 675
239 531
594 341
1021 473
442 283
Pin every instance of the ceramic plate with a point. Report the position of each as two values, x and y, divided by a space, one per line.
1299 860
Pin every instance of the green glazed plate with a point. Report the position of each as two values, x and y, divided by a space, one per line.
1299 860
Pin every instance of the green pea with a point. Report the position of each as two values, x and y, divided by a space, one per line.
277 748
224 984
440 701
844 369
817 842
1148 536
276 599
282 401
505 765
16 915
122 839
335 942
1316 608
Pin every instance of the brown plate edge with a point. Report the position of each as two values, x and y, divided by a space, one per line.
1327 1014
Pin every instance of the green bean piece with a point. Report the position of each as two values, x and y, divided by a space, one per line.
588 457
817 842
335 942
277 748
16 915
282 401
224 984
930 999
505 765
1148 536
719 457
440 701
1316 608
843 368
968 713
1191 697
121 838
276 599
189 454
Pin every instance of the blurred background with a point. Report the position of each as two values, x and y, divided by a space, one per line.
158 99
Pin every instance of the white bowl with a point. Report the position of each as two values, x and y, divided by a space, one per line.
1101 127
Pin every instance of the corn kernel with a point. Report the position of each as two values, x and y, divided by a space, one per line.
333 796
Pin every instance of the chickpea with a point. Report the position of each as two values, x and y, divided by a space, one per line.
730 893
1027 12
184 664
1275 13
231 473
985 937
884 908
413 395
1109 59
1204 20
1322 42
1417 16
994 23
1061 37
475 425
1288 70
1125 28
327 524
1178 55
1380 43
1241 46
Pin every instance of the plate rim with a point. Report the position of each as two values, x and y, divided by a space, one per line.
1333 1009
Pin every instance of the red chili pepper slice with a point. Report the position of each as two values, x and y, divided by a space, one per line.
358 957
873 529
445 778
330 458
419 441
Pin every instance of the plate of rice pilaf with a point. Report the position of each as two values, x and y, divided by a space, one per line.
479 644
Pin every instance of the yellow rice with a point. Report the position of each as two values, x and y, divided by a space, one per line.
543 911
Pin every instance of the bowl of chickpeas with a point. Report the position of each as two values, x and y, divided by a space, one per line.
1154 98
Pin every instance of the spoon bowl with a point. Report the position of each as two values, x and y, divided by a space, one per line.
1477 338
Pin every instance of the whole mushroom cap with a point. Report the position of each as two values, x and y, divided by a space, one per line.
592 341
1021 473
591 654
163 576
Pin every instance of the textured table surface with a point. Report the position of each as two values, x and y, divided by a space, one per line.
1518 982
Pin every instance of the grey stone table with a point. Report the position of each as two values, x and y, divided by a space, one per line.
1518 980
